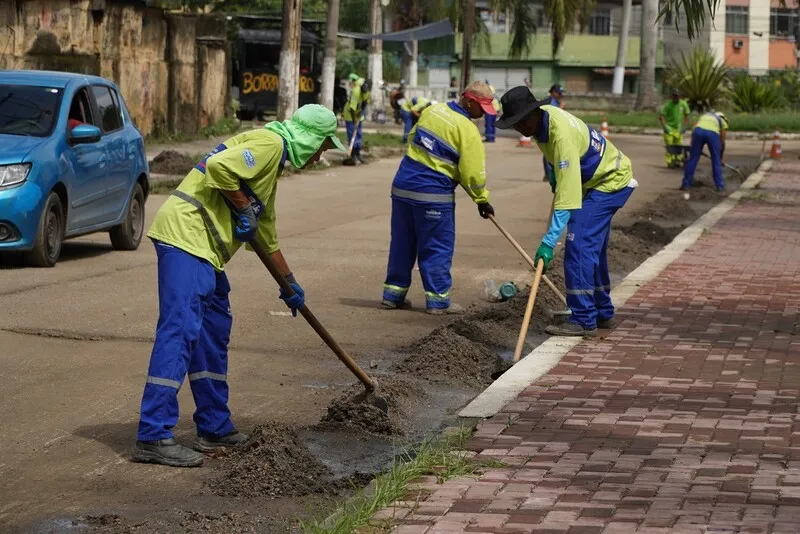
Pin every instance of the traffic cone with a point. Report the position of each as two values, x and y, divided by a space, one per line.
524 141
775 153
604 128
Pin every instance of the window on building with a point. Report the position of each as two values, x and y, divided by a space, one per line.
736 19
782 22
600 22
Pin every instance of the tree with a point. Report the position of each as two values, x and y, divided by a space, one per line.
329 61
646 97
289 59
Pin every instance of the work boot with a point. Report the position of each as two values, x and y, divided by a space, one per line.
684 188
207 444
392 305
607 324
570 329
357 156
351 161
166 452
453 309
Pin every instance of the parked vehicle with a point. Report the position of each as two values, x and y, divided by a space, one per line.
71 163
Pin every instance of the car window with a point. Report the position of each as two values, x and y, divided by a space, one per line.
115 97
80 111
110 119
29 110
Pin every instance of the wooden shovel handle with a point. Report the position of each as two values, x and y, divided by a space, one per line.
526 320
265 258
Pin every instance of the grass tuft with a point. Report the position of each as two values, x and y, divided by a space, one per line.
441 457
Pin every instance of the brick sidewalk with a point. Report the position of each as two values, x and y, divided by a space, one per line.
683 420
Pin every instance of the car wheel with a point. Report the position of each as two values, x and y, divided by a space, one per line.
49 236
128 235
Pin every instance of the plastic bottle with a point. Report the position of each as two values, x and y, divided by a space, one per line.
508 290
490 291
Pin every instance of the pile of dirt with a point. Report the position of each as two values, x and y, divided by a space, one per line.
445 356
353 409
272 463
172 162
650 232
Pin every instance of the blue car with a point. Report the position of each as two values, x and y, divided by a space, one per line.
71 163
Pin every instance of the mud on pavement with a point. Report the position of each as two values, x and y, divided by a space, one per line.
432 378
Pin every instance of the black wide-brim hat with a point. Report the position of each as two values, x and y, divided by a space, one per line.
517 103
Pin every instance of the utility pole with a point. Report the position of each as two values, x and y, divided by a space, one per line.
375 66
622 49
329 61
466 48
290 59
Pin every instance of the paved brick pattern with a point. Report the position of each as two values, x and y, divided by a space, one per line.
684 420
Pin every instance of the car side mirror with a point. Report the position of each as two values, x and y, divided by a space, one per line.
84 133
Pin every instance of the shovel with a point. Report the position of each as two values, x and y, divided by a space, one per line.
528 259
731 167
526 320
370 384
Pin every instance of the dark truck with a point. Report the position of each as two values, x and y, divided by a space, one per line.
256 64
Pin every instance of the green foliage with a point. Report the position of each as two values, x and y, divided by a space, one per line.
739 122
348 61
788 83
751 95
313 9
699 77
694 13
440 457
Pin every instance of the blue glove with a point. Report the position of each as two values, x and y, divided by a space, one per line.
545 253
246 224
296 301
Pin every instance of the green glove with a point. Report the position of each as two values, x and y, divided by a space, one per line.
545 253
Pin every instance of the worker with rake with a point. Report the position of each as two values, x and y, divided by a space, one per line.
591 180
445 150
353 114
711 129
227 199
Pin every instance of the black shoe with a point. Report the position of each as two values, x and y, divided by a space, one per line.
206 444
607 324
570 329
351 162
684 188
166 452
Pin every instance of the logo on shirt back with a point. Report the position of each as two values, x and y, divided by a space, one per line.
249 159
428 143
563 164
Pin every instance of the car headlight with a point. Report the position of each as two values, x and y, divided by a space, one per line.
14 174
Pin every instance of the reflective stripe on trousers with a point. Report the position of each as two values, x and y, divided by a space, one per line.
422 197
212 228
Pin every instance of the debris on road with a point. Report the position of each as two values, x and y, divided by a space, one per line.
272 463
172 162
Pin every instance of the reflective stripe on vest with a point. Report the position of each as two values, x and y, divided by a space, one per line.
422 197
223 249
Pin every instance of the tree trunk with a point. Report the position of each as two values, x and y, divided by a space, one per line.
646 98
466 47
329 61
375 64
412 64
622 49
290 59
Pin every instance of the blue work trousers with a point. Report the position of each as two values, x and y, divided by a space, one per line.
350 127
408 123
701 138
588 284
491 130
427 235
194 326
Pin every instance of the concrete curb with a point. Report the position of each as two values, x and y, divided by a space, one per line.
548 354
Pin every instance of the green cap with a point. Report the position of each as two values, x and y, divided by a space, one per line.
306 131
353 77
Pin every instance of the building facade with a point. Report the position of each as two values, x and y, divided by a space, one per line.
756 36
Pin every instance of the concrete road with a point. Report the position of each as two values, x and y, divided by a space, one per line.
75 340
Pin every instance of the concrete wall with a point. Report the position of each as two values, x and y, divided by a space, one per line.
172 69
